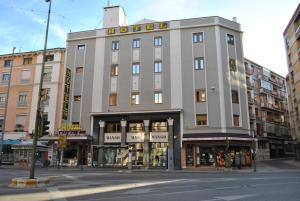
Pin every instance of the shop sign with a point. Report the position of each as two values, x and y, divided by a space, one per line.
66 94
158 136
112 137
135 137
137 28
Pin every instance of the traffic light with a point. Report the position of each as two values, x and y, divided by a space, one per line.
45 127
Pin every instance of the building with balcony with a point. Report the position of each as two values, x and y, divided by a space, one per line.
24 69
172 93
292 44
268 112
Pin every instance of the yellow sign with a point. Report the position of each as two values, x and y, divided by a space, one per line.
111 31
138 27
70 127
150 26
163 25
66 94
123 29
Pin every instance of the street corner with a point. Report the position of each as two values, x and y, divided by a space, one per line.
29 183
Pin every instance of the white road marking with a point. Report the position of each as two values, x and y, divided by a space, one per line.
56 194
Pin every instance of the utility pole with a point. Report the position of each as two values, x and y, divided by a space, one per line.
38 119
5 107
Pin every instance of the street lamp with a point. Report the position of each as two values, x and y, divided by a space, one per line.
39 111
253 150
5 107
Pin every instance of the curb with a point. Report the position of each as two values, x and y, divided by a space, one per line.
29 183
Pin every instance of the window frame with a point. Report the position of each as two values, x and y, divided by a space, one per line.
230 39
22 101
157 41
81 47
199 63
158 67
198 37
115 45
27 60
158 97
49 57
199 97
233 93
136 43
232 64
113 99
197 121
135 98
234 120
114 70
136 69
9 64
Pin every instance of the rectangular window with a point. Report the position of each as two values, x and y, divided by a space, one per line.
81 47
112 99
198 37
135 98
159 126
199 63
49 57
136 43
157 67
232 64
47 74
236 120
2 99
135 68
115 45
77 98
113 127
79 70
157 97
5 77
45 96
20 121
114 70
22 101
158 41
27 61
230 39
201 119
136 127
7 63
235 96
25 76
201 95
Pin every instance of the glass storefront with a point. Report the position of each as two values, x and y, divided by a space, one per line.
115 157
158 156
137 154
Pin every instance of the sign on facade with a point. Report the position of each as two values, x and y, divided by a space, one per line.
135 137
112 137
158 136
66 94
137 28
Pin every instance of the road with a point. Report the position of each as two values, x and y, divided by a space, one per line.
280 184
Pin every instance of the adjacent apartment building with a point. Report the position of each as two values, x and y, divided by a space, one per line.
171 94
24 70
267 100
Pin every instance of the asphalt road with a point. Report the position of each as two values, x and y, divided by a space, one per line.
95 184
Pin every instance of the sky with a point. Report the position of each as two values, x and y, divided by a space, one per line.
23 22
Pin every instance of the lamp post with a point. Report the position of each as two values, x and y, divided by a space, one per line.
5 107
253 150
38 119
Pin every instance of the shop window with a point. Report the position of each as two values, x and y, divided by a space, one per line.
114 70
158 41
159 126
201 95
201 119
136 127
112 99
236 120
235 96
158 156
232 64
27 61
113 127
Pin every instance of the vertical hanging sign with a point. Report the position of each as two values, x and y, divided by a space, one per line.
66 94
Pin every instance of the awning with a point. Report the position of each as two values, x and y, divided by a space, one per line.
55 138
11 142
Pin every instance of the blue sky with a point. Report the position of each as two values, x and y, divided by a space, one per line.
22 22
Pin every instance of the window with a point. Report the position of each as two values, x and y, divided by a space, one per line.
81 47
2 99
113 127
232 64
20 120
201 119
22 99
159 126
135 98
25 76
136 43
200 95
7 63
157 67
198 37
45 96
115 45
235 96
199 63
1 124
136 127
49 57
47 74
77 98
230 39
236 120
158 41
79 70
112 99
5 77
114 70
27 60
157 97
135 68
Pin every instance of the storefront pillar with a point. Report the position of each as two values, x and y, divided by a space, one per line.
101 143
170 144
123 132
146 144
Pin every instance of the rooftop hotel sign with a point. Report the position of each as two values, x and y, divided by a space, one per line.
137 28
